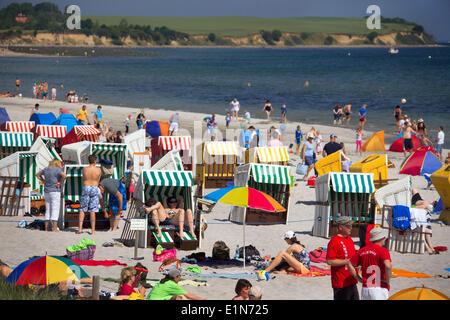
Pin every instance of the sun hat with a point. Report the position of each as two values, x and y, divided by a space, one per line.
289 235
310 135
377 234
347 221
174 273
420 120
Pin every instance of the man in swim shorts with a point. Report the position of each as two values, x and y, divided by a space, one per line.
90 195
407 139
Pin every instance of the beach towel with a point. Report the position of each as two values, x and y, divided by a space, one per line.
419 217
104 263
315 272
401 217
408 274
230 275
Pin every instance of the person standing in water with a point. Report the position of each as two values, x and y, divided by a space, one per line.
268 109
235 106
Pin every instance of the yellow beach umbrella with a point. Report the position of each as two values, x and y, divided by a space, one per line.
419 294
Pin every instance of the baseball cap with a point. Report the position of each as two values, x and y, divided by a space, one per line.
347 221
174 273
333 136
289 235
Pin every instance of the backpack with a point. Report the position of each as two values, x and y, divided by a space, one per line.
220 251
249 251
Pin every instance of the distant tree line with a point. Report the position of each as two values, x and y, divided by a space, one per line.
46 16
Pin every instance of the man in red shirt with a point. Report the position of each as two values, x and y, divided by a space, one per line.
375 262
339 252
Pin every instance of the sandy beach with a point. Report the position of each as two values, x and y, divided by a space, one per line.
18 244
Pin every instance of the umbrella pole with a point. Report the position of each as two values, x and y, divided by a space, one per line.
243 249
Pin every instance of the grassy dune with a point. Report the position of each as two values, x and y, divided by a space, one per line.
242 26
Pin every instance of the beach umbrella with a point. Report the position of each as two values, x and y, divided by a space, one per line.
245 197
46 270
397 145
157 128
420 162
419 294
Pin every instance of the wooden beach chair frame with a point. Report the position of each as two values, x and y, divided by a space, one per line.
216 163
347 194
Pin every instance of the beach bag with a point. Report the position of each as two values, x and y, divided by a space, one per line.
249 251
401 217
166 254
220 251
302 169
318 256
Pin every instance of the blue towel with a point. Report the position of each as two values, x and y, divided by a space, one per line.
401 217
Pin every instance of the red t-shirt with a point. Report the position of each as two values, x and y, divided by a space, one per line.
371 259
126 290
341 248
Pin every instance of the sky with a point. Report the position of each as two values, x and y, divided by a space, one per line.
431 14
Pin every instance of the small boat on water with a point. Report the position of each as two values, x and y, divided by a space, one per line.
393 50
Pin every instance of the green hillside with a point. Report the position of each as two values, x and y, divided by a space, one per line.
242 26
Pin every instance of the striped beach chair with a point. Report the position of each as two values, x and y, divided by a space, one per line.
273 180
170 161
22 164
20 126
216 162
159 184
115 152
268 155
11 142
52 131
81 133
161 145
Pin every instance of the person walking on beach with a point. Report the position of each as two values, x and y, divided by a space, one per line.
375 262
359 134
440 141
44 91
211 126
407 139
347 111
140 120
98 117
318 140
227 120
174 124
363 115
340 250
331 147
298 139
82 116
127 124
267 108
283 113
235 106
52 177
34 90
90 196
308 154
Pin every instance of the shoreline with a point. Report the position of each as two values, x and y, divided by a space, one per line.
24 243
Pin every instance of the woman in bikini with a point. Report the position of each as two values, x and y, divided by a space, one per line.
294 259
170 212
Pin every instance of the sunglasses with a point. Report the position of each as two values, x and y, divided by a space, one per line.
174 201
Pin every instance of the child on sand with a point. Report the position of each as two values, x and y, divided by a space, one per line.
227 120
242 289
298 139
359 135
127 279
127 124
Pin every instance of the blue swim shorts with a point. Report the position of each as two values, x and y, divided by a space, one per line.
90 199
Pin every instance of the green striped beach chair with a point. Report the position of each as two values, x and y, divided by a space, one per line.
11 142
165 183
115 152
274 180
22 164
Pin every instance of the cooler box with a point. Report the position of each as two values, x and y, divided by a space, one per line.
331 163
375 163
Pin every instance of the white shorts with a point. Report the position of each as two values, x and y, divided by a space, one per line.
374 293
235 109
52 205
173 126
